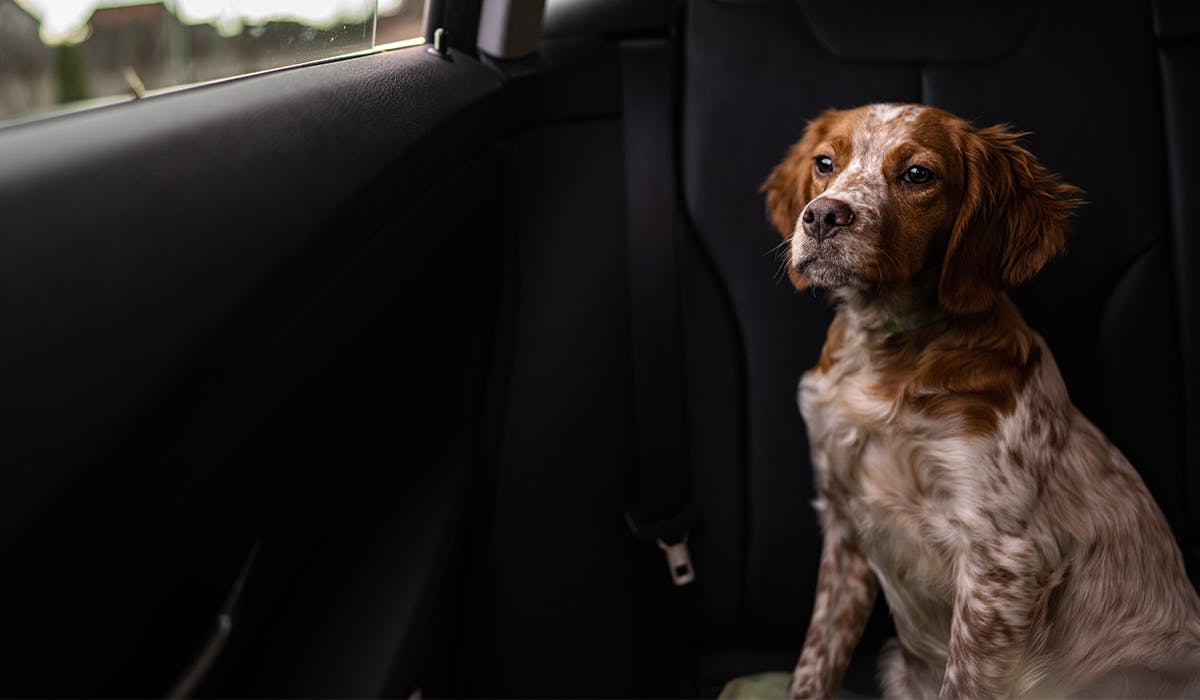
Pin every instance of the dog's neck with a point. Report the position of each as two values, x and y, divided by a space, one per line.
892 312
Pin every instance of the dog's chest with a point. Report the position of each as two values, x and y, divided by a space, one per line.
889 480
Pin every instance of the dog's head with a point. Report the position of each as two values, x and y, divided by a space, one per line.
872 197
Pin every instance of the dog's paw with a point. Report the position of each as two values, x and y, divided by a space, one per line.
808 681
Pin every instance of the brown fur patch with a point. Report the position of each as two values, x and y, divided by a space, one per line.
1012 220
835 337
968 369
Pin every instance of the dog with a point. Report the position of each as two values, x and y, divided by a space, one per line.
1019 552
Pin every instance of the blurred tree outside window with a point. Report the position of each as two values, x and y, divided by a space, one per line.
55 53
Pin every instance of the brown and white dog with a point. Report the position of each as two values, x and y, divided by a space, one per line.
1019 552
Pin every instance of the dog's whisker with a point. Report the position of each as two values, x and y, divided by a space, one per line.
778 246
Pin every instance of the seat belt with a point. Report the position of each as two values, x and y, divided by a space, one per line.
661 515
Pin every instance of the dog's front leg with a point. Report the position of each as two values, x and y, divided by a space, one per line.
995 592
845 593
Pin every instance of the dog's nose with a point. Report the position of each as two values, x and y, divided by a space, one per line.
824 216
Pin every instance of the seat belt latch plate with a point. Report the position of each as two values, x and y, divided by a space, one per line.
679 561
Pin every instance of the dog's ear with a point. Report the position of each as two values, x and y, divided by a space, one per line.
789 184
1011 222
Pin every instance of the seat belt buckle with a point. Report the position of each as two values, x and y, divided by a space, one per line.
679 561
671 536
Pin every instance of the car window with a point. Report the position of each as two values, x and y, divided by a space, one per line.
59 53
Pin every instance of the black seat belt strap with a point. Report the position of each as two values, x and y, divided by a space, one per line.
662 515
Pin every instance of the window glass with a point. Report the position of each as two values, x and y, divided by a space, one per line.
82 52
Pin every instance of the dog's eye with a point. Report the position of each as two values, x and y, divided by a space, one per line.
917 175
824 165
